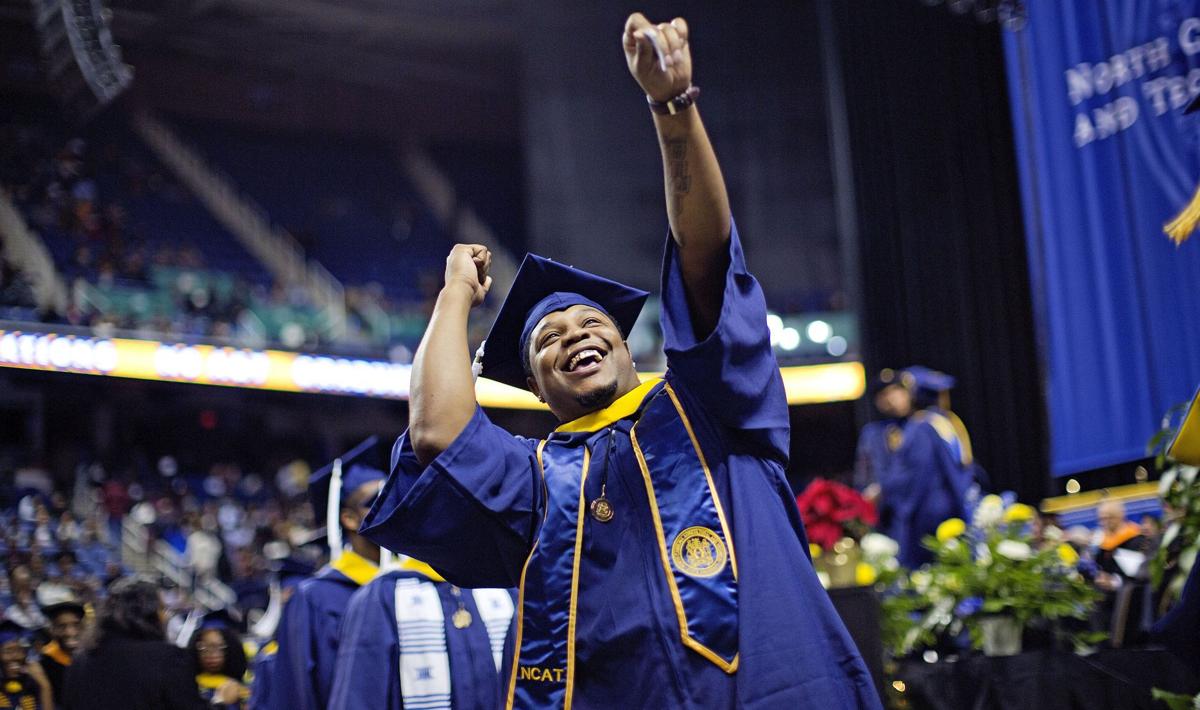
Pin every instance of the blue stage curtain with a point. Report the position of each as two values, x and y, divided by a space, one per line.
1103 165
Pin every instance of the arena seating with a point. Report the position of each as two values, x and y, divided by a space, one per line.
345 201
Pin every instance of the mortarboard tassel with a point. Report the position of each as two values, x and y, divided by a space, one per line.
190 623
1180 228
333 524
265 627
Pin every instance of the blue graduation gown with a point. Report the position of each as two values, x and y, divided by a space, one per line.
877 444
263 671
925 483
366 674
1179 630
474 514
302 673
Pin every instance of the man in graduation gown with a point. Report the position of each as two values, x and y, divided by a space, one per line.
415 640
653 536
933 475
288 573
879 440
310 630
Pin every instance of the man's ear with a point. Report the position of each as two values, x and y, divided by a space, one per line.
350 520
533 387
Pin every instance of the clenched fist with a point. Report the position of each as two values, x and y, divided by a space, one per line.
662 78
468 265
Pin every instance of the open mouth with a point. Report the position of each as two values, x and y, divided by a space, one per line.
585 362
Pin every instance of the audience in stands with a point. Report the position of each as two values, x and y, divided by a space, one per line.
127 663
135 249
220 661
16 293
23 685
65 614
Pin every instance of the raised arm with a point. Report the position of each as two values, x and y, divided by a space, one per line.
697 204
442 394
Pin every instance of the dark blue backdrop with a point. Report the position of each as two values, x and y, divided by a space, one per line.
1106 158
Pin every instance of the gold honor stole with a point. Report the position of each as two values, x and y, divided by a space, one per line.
690 532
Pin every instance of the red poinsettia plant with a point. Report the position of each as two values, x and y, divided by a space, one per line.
832 511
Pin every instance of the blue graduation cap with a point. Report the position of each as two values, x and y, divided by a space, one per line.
291 571
338 480
928 384
220 619
886 378
542 287
12 631
919 377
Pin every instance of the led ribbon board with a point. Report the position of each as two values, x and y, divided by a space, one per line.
282 371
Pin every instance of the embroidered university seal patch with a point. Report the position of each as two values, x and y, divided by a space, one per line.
699 552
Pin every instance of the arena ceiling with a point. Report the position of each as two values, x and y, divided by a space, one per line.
361 41
464 48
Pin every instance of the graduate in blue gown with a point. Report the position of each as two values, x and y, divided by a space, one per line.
310 629
216 649
442 650
880 439
653 536
1179 630
286 574
933 475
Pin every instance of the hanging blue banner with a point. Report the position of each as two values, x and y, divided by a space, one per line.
1107 158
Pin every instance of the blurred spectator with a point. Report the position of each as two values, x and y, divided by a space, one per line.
1122 549
127 664
216 650
24 685
1122 559
66 614
24 610
203 550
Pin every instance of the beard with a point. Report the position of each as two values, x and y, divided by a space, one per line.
597 398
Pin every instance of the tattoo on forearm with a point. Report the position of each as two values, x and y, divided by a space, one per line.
677 167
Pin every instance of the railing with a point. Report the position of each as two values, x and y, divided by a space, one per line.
27 252
277 249
207 592
135 543
162 561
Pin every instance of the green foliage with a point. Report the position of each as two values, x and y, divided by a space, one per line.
992 569
1179 487
1176 701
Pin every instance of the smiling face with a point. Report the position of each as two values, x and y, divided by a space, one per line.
66 627
12 657
579 362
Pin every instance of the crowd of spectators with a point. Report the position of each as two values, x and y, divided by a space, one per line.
127 273
16 293
73 545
